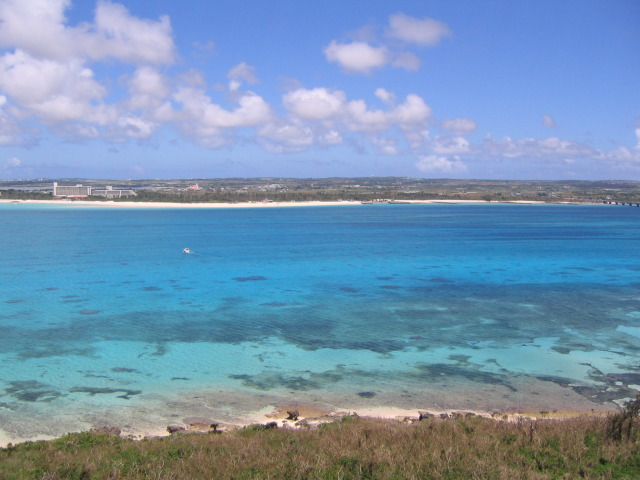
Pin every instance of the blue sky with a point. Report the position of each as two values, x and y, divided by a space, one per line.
440 89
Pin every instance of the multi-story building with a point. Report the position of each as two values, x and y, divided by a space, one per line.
109 192
71 191
86 191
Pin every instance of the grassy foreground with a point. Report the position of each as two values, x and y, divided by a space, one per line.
350 448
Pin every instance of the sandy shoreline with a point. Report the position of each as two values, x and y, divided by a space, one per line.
109 203
312 416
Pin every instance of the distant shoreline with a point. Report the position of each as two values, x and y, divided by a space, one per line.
316 203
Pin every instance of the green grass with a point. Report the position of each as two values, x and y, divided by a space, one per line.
350 448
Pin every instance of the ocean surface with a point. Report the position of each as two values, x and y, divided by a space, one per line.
497 307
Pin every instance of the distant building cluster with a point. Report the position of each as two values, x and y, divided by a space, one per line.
82 191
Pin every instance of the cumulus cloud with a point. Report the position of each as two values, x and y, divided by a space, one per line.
638 138
424 31
444 145
55 91
315 104
439 164
460 126
357 57
47 75
385 95
385 145
115 33
135 127
148 88
548 121
407 60
412 112
241 73
332 107
210 124
286 137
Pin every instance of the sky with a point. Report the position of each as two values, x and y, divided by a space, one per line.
464 89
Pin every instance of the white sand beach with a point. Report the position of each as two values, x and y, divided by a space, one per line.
112 204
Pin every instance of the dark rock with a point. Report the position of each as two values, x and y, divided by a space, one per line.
293 415
425 415
175 428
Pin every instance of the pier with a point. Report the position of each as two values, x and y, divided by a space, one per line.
631 204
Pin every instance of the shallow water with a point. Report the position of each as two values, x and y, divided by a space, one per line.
103 319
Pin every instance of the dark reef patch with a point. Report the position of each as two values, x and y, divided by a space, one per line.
50 349
440 280
124 370
152 289
268 381
439 371
253 278
14 300
32 391
366 394
126 393
562 350
348 289
89 312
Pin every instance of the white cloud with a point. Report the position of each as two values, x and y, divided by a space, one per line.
412 113
136 127
551 147
198 111
360 118
281 137
638 138
55 91
357 57
385 95
407 60
315 104
424 31
444 145
129 39
332 108
239 73
148 88
10 131
548 121
115 33
460 126
437 164
385 145
12 162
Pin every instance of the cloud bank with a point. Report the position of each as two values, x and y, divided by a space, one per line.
50 83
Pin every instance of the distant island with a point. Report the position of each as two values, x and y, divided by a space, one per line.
359 189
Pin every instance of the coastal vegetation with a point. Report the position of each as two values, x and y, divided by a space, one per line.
234 190
457 447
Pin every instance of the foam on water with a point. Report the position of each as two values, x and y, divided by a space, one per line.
103 318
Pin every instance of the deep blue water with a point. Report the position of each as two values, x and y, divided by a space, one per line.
493 306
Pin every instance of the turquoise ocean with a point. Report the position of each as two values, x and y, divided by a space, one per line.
495 307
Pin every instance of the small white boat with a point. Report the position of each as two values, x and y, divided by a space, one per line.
186 250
